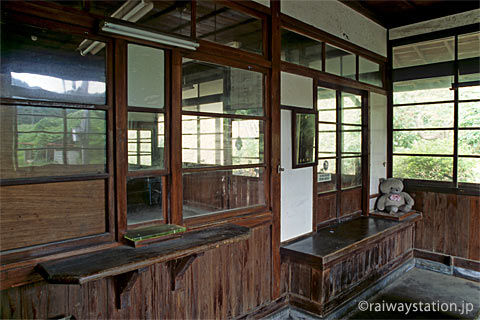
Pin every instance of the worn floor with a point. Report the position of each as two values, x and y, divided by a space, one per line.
417 294
422 294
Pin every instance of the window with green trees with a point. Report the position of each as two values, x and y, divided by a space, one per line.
436 110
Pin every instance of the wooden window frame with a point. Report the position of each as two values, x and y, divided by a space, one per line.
417 184
106 238
177 175
364 157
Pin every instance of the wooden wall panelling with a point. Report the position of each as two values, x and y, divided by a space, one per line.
34 214
351 201
228 281
450 224
326 207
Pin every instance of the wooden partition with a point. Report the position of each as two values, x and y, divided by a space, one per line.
450 225
225 282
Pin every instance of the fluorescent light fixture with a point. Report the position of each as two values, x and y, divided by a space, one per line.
131 10
136 33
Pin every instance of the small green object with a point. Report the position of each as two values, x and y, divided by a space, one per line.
154 232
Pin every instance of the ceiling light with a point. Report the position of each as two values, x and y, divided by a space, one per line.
124 30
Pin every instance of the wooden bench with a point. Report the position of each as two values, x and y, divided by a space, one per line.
336 263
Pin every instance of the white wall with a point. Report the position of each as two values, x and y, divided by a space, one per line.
297 188
453 21
264 2
334 17
378 141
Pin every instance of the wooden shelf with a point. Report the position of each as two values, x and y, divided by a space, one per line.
399 216
120 260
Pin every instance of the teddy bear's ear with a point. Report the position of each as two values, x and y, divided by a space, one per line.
401 179
382 180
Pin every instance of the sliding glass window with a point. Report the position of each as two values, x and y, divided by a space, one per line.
436 110
146 145
223 137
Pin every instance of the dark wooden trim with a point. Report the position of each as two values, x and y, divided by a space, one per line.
176 141
42 180
433 256
329 78
338 161
315 169
455 117
220 168
365 153
297 109
466 264
218 54
221 216
121 119
441 187
223 115
389 86
193 19
312 32
52 104
275 186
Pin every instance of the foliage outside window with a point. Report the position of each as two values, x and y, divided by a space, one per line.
431 110
223 132
340 117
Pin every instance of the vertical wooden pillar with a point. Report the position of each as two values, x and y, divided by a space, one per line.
176 139
275 144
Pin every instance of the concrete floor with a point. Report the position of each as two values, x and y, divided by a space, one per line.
433 295
409 290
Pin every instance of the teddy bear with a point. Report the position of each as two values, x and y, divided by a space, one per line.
393 199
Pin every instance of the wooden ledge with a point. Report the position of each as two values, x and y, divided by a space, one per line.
332 242
112 262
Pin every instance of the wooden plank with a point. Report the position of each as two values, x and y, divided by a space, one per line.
474 229
326 207
35 214
441 207
97 265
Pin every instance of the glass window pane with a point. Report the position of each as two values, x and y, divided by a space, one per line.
221 89
423 116
222 190
146 141
469 93
326 175
339 62
327 138
146 77
423 90
169 16
351 109
469 142
351 140
369 72
40 142
326 105
421 53
469 114
144 199
226 26
423 142
423 168
305 135
301 50
219 141
469 45
351 172
45 65
469 170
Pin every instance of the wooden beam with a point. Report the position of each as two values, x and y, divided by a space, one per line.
177 269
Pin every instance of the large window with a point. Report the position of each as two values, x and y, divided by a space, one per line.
54 121
436 110
223 133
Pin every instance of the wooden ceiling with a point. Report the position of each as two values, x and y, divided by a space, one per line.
396 13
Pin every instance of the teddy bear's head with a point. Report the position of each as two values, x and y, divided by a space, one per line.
391 185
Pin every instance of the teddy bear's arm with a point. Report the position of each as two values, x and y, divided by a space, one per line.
408 198
381 202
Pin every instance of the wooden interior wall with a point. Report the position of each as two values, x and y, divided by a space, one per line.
450 224
36 214
225 282
351 203
221 190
